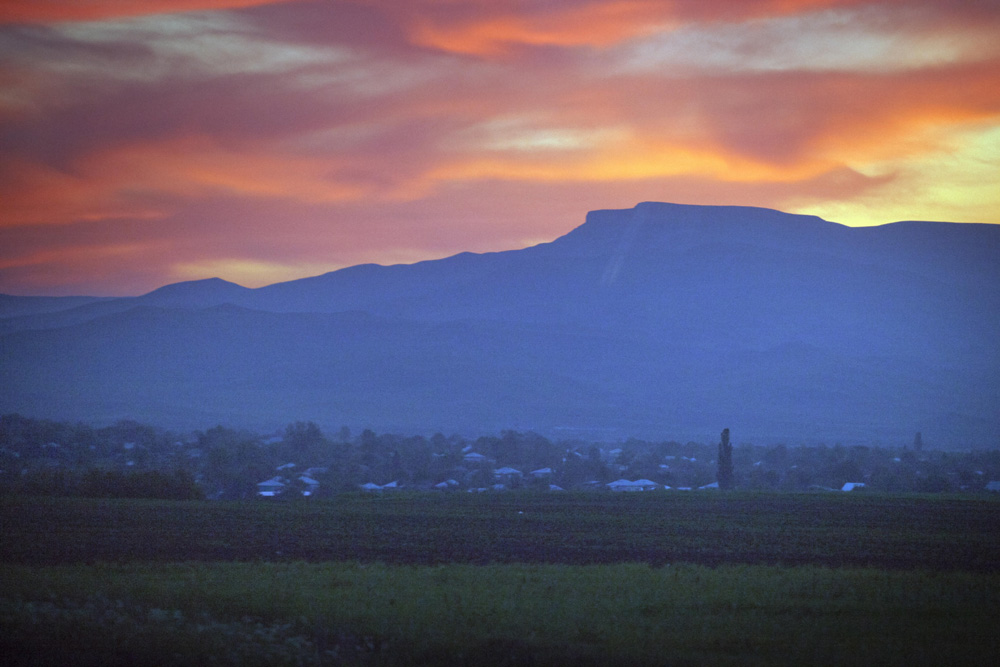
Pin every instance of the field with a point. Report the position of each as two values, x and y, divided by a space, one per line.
670 578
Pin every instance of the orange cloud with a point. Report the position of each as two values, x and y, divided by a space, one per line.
763 128
75 255
79 266
870 118
38 194
136 181
646 159
52 11
494 28
788 118
594 24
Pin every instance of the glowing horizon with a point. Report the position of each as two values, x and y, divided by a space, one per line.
144 143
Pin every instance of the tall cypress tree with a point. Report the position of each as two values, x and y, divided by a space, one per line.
725 459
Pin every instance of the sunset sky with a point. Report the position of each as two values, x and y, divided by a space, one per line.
144 142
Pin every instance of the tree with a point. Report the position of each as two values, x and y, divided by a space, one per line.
368 447
304 438
725 461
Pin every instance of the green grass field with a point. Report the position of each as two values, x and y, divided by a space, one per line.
663 579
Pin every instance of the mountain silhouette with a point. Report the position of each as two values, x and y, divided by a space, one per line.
661 321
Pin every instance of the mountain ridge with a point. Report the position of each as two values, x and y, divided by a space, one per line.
663 319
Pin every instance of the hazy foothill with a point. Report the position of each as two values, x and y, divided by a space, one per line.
677 435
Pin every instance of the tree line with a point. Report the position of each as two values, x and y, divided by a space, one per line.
131 459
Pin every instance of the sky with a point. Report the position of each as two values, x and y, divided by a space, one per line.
146 142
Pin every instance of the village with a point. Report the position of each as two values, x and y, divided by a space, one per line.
38 456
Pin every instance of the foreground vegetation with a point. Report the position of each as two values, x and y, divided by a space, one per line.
297 613
502 579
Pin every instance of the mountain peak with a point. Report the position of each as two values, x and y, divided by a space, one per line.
681 226
198 293
723 218
194 284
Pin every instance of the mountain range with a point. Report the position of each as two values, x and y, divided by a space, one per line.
662 321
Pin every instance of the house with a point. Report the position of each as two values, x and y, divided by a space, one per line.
372 487
474 457
623 485
637 485
851 486
446 485
993 486
507 474
542 473
310 484
272 487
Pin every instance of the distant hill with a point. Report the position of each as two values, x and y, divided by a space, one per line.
20 306
658 321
